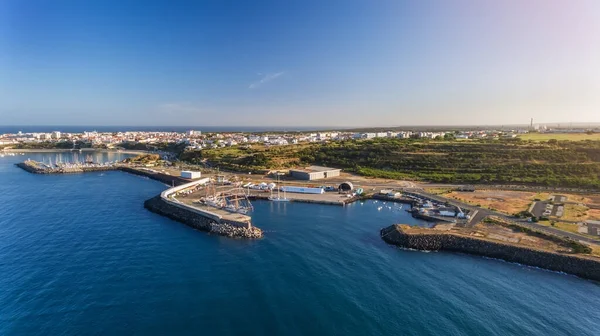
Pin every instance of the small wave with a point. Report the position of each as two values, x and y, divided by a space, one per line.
523 265
415 250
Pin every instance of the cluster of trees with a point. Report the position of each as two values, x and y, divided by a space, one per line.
144 158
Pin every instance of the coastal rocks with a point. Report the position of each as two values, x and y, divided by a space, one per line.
235 231
38 168
196 221
577 265
29 167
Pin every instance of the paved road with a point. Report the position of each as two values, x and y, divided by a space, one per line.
482 213
555 231
557 190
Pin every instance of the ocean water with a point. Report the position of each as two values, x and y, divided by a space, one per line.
79 255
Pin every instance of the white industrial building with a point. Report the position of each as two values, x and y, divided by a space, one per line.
314 173
187 174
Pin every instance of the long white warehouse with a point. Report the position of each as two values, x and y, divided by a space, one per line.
302 190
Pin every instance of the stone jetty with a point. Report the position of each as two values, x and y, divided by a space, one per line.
205 222
229 225
39 168
578 265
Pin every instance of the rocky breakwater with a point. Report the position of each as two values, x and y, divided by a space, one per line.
423 239
199 221
32 167
40 168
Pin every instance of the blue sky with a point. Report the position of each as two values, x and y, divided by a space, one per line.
299 63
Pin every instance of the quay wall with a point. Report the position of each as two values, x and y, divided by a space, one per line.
434 241
164 178
169 207
299 200
404 200
158 205
30 169
199 221
38 170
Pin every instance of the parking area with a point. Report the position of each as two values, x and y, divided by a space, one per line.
558 198
547 209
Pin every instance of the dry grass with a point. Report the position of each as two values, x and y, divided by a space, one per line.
541 196
595 250
504 201
438 191
569 227
578 198
594 199
593 214
569 137
575 212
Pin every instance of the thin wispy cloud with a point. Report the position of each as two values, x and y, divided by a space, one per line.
265 79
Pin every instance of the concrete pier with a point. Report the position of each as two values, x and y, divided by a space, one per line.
207 219
39 168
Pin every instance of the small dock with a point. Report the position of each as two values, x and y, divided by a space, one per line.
36 167
327 198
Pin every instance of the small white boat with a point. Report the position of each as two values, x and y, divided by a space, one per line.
278 199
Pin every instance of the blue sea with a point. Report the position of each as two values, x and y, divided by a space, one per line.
79 255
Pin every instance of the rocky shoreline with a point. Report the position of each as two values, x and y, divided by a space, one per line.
435 241
194 220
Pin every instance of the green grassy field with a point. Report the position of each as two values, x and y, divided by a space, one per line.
563 136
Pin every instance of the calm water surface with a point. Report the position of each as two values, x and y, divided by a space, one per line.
79 255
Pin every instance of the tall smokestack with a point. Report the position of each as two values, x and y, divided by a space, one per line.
531 124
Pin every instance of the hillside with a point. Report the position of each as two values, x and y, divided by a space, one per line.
551 163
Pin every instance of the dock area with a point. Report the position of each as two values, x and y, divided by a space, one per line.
223 214
328 198
70 168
